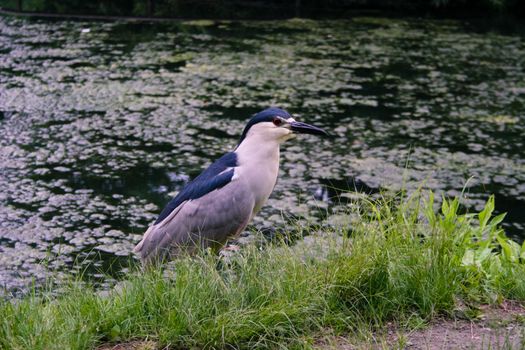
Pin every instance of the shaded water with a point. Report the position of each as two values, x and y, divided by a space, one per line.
101 122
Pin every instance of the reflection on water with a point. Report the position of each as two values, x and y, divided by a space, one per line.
99 128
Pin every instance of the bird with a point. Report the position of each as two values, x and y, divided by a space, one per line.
219 203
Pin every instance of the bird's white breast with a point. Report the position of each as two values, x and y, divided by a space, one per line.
258 167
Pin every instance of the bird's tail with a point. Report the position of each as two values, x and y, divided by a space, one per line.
138 248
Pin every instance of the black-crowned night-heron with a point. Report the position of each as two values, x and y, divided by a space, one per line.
219 203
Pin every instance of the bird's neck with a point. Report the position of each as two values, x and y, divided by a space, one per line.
258 151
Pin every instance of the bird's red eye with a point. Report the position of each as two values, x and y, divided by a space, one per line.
277 121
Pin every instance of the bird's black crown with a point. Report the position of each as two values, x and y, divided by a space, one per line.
266 115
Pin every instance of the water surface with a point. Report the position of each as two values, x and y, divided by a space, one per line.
100 123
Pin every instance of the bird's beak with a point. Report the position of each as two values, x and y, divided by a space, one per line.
304 128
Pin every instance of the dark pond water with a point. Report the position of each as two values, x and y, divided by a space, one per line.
101 122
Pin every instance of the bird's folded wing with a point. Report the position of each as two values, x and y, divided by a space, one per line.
207 221
214 177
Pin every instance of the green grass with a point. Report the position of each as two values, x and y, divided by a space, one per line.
396 260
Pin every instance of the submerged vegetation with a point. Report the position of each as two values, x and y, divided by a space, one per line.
394 260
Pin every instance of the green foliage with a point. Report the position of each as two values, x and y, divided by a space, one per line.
247 9
98 7
398 261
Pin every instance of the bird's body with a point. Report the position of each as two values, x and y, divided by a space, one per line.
222 200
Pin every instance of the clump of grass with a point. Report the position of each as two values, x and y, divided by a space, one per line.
398 260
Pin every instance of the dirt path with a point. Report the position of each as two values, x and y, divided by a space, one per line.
497 328
500 327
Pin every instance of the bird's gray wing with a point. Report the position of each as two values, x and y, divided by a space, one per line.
207 221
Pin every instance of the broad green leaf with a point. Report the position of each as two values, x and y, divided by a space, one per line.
468 258
497 219
483 255
522 251
485 214
507 249
114 333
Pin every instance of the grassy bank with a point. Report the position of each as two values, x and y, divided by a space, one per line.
394 260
